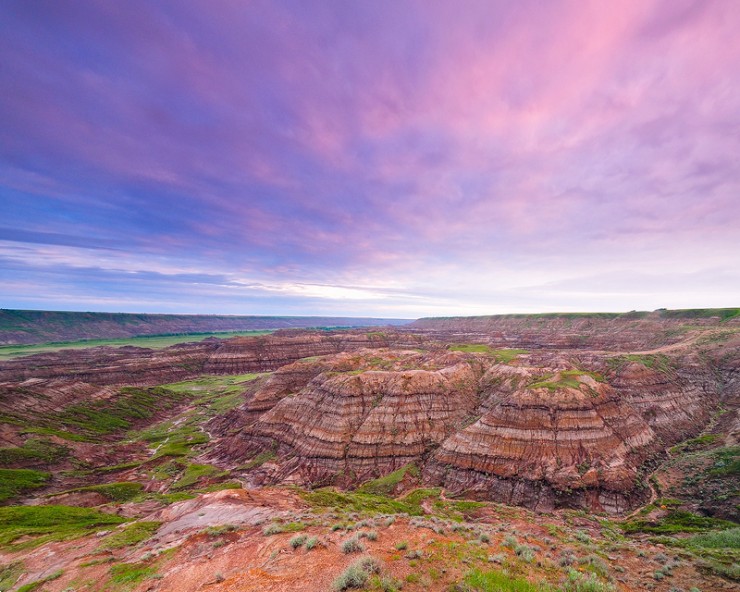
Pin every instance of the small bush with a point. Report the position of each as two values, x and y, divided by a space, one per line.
510 542
272 529
215 531
582 536
357 574
402 546
578 582
566 559
352 545
311 543
595 564
297 541
525 553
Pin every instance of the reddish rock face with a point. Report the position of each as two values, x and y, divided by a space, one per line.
555 427
542 444
477 427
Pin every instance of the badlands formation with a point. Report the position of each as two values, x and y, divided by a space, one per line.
630 420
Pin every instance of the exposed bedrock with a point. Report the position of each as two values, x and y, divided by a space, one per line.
549 447
675 404
543 437
611 332
141 367
349 426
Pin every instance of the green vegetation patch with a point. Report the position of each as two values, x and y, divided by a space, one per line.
49 523
38 583
676 521
148 341
131 573
725 539
724 314
211 396
498 581
566 378
386 484
33 451
105 417
259 460
503 356
114 492
720 551
368 503
726 462
131 535
660 362
694 444
194 473
17 481
9 574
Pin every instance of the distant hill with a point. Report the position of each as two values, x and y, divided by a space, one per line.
22 327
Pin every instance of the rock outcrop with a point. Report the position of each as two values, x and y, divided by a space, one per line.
568 443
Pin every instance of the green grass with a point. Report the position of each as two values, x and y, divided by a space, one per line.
567 378
369 503
719 551
49 523
207 385
361 502
497 581
63 434
33 451
35 585
210 396
695 444
259 460
726 462
131 535
149 341
386 484
725 539
660 362
17 481
9 575
503 356
131 573
725 314
676 521
114 492
194 473
117 414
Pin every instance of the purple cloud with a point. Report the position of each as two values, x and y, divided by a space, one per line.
496 148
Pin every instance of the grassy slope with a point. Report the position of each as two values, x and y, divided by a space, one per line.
37 326
148 341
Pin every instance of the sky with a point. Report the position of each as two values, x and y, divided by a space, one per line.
369 158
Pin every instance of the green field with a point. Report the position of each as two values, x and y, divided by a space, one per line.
149 341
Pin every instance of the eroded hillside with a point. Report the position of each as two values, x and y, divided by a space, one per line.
416 435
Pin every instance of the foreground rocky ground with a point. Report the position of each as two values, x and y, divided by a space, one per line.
278 462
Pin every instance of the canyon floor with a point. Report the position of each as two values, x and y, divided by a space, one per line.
525 453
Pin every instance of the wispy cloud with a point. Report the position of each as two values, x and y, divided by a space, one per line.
428 156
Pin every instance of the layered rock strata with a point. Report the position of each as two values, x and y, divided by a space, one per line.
546 447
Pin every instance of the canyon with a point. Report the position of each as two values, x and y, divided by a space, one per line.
632 418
